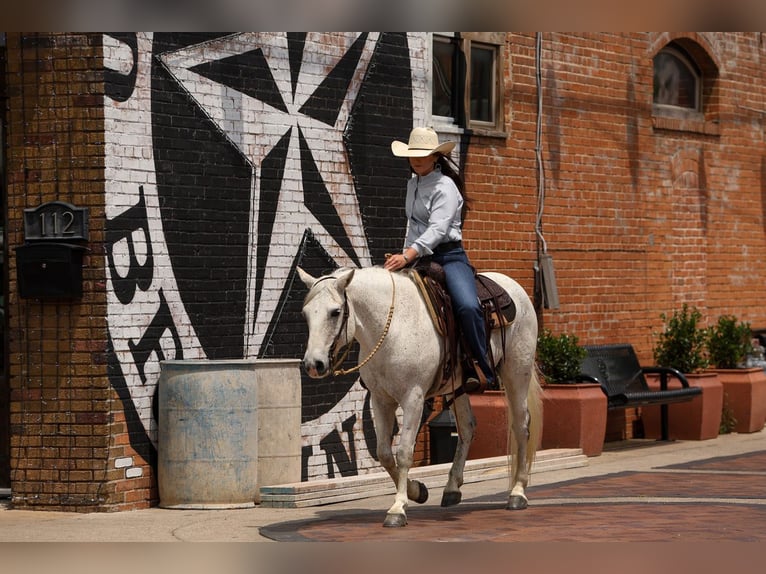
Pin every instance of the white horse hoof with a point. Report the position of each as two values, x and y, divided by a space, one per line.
395 520
516 502
451 498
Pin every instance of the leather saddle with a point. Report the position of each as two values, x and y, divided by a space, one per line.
498 309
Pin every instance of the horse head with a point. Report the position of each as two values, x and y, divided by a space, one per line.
328 316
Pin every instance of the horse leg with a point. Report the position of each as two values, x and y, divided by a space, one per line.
466 424
524 405
517 499
397 468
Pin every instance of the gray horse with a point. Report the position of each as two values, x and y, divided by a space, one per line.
401 364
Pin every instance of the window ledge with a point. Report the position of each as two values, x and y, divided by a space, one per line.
447 127
693 125
488 132
681 120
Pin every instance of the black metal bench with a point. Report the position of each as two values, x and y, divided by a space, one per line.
617 370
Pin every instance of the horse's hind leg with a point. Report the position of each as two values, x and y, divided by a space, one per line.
524 406
466 424
517 498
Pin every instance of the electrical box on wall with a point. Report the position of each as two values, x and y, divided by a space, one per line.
550 289
49 264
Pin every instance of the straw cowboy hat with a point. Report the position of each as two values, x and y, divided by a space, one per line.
423 142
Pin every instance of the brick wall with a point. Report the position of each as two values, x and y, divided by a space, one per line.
638 218
642 213
65 432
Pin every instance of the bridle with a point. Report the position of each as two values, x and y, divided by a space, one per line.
339 353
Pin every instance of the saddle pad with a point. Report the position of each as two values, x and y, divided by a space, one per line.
498 308
492 296
496 300
489 290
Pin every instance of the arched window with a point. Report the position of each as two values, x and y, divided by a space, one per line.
686 94
677 80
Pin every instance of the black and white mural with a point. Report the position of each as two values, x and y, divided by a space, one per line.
231 159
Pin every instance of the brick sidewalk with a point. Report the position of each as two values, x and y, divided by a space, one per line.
716 499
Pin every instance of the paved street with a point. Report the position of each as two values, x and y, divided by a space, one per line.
707 498
644 490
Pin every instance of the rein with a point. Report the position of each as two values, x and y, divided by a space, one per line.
339 361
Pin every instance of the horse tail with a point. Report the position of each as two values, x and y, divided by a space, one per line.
534 424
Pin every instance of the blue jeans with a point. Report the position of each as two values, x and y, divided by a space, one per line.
461 287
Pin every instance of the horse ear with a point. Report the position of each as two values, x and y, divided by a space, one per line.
345 278
307 279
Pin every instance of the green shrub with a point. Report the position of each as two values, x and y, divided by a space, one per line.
682 344
559 357
729 343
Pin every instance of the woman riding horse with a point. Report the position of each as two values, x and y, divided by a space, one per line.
436 206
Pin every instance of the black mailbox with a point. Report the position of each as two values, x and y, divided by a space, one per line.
49 270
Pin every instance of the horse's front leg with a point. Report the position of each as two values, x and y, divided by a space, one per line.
466 424
398 467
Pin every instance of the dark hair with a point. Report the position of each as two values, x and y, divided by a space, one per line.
447 169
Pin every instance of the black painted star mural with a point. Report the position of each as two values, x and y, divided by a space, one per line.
289 136
231 160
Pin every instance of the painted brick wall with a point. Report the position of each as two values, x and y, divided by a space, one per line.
231 159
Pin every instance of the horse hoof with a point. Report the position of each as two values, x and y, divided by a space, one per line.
395 521
451 498
422 496
516 502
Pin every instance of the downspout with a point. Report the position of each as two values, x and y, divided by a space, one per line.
546 292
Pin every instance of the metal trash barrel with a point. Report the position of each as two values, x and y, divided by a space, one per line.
279 422
207 434
443 437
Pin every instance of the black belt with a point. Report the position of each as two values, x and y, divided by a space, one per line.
448 246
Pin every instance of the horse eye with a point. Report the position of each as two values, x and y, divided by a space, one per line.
335 313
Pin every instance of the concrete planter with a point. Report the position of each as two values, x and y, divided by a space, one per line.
574 416
226 427
745 395
698 419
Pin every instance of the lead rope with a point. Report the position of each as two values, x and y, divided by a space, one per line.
340 372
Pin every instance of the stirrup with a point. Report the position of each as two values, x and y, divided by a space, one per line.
475 383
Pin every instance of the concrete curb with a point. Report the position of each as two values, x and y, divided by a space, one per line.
330 491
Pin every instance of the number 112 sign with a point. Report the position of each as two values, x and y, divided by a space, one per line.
56 220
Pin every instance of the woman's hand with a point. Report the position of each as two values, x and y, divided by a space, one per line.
395 262
399 261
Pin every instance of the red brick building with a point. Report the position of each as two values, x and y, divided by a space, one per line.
209 166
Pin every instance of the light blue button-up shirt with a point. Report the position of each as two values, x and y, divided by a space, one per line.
433 207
